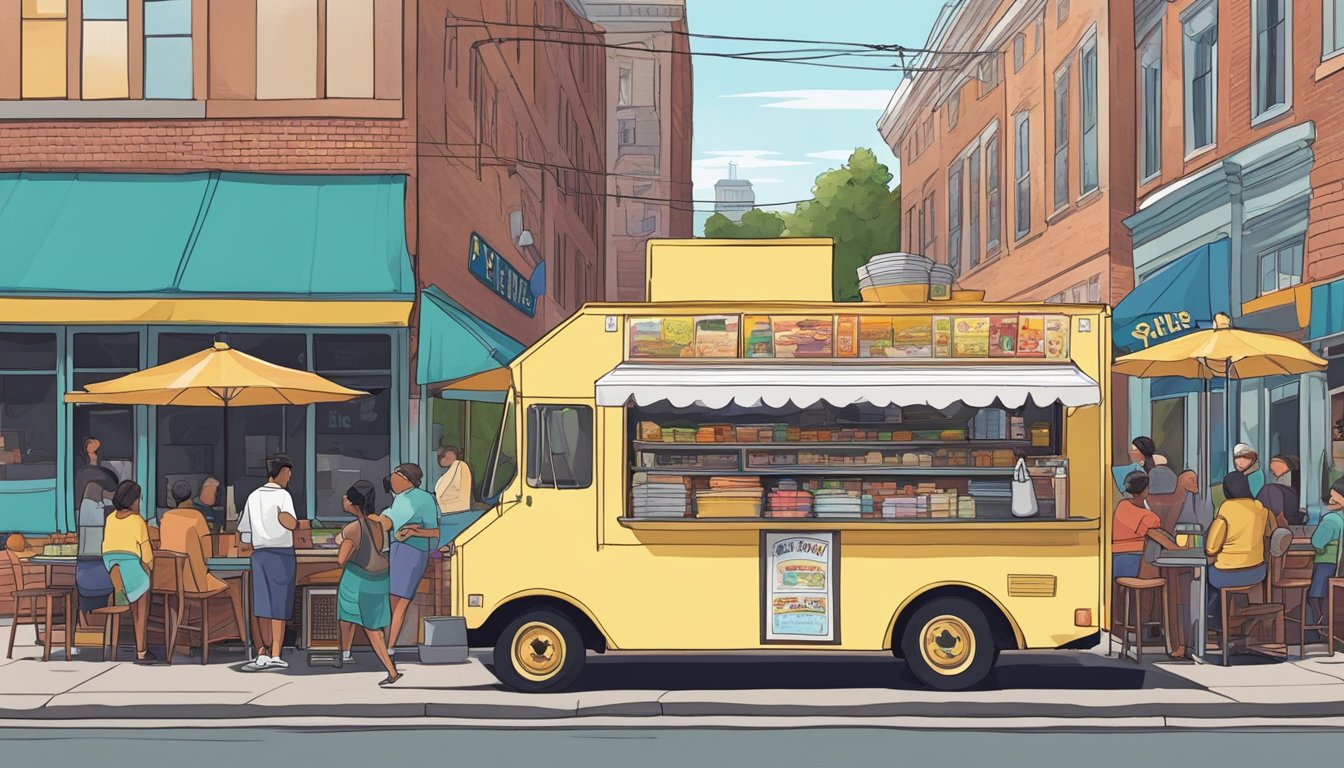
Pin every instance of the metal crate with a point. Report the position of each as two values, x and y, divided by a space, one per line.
321 628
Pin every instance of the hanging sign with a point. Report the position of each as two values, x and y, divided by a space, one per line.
798 589
491 268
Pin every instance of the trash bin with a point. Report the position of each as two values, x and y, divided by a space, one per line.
445 640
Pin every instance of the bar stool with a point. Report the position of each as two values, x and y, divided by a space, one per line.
1254 614
30 596
1136 588
112 615
1287 587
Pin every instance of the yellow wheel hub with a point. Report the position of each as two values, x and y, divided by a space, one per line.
538 651
947 644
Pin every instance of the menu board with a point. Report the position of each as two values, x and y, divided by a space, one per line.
1003 336
874 335
799 587
716 336
1031 336
846 336
661 337
911 337
760 336
942 337
804 336
970 337
1056 337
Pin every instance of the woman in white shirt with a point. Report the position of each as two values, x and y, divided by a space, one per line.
452 492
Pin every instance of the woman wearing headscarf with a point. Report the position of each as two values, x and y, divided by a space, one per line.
129 559
363 597
1236 539
1142 455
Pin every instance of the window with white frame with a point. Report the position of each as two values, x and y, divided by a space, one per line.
1269 56
973 212
625 87
1200 44
930 228
1061 177
1089 165
954 203
1061 11
993 193
1019 51
168 49
1022 174
954 108
1150 106
1281 267
1332 28
988 73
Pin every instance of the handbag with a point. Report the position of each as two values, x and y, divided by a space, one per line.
371 554
1024 495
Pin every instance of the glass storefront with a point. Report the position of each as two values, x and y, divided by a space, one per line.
470 425
28 398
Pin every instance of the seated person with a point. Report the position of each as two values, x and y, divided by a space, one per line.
1325 540
183 529
1236 539
1132 524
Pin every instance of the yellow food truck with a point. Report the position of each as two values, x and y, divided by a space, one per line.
740 464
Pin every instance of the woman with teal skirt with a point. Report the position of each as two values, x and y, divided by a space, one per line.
362 599
129 559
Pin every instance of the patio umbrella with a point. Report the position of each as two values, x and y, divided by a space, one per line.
1220 352
216 377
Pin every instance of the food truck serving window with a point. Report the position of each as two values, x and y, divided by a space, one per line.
559 446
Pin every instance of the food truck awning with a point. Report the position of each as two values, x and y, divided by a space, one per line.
776 385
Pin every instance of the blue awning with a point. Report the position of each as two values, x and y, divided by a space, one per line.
204 234
454 344
1182 297
1327 310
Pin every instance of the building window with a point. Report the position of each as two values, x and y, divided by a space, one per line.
1061 11
930 228
1332 28
1269 57
1061 179
28 403
625 129
1094 289
988 73
559 446
953 109
1281 268
909 232
1090 171
1201 88
625 91
100 357
954 202
1022 174
973 213
350 49
1019 51
42 32
286 49
352 440
1150 107
993 195
103 61
168 65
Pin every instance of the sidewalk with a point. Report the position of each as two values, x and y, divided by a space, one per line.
1072 685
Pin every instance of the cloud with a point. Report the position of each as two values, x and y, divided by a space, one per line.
832 154
707 170
822 99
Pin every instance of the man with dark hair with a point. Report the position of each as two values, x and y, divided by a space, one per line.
267 524
183 530
205 503
415 526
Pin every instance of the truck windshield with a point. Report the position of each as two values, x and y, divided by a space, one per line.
503 464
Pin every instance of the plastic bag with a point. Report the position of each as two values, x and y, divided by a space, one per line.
1024 495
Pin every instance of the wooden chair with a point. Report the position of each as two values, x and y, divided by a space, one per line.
1291 586
171 585
167 585
112 615
1135 588
49 597
1255 613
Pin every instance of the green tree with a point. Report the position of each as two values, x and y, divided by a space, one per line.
755 224
854 205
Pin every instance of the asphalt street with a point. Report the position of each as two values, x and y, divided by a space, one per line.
677 747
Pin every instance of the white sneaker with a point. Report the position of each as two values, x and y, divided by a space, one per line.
391 651
347 658
262 662
277 663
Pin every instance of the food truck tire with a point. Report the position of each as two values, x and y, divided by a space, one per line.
540 650
948 644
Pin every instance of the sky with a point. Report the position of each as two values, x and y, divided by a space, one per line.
783 124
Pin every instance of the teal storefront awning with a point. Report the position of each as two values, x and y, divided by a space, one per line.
1181 297
1327 310
453 343
202 234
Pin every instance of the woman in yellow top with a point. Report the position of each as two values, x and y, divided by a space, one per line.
129 559
1236 539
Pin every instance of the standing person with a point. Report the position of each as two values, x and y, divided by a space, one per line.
453 494
1130 526
206 499
365 588
1142 453
183 530
1326 542
415 524
129 560
1247 462
1236 539
267 523
92 582
89 450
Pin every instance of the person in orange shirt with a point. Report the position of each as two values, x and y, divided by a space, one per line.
183 530
1130 526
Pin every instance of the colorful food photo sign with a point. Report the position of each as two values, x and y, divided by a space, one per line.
799 588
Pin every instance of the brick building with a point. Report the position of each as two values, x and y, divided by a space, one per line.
330 183
648 133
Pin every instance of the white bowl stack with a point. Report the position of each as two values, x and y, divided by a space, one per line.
895 269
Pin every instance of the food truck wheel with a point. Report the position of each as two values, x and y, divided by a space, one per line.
541 650
948 644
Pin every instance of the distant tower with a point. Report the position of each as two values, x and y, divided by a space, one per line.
733 196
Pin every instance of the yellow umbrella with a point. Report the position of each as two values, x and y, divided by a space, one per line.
1221 352
218 376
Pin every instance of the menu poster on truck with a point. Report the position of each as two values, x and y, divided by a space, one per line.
799 587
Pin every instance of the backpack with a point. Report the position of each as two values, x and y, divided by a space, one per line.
371 554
